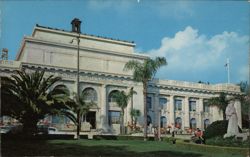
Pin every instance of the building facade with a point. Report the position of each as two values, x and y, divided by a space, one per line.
101 73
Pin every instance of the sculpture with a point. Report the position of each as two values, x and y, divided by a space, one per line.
232 128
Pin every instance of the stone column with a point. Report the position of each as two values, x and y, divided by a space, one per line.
171 109
104 116
200 115
237 106
156 106
127 118
186 112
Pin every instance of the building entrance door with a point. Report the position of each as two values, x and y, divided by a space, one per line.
91 118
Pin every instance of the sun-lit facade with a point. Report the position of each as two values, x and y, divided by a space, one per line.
101 73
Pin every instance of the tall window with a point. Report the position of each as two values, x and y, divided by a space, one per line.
206 123
192 105
149 102
163 102
193 123
90 94
178 122
163 121
178 105
114 117
206 107
111 96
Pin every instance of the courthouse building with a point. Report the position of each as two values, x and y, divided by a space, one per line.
101 73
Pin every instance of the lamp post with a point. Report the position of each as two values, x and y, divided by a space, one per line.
159 124
76 27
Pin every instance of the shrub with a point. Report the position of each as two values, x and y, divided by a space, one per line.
229 142
217 128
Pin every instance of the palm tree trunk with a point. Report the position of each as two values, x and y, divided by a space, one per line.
30 126
145 109
122 122
78 125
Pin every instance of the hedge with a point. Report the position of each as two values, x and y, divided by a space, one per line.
120 137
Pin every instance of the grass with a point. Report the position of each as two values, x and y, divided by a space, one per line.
113 148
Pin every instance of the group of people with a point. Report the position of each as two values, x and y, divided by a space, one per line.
198 135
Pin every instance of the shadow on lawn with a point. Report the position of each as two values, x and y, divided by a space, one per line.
43 148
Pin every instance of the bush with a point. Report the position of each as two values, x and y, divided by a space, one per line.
217 128
169 139
228 142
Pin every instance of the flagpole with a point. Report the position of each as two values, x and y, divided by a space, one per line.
228 71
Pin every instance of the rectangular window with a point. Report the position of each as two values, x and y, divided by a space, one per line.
192 105
114 117
206 107
163 102
149 102
178 105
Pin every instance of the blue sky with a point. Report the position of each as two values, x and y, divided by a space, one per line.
196 37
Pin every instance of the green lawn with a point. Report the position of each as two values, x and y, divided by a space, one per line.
113 148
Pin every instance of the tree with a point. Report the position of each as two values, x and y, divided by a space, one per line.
135 114
76 111
30 97
144 72
245 103
220 102
121 98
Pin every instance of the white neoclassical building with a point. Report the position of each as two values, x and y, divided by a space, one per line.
101 73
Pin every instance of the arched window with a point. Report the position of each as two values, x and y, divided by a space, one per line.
178 122
163 121
90 94
193 123
111 96
206 123
149 120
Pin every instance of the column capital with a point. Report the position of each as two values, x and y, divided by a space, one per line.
104 85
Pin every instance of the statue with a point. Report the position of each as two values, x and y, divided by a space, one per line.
232 128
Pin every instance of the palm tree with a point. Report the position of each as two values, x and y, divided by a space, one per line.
135 114
76 111
144 72
30 97
220 102
121 98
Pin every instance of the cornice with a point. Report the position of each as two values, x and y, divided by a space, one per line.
86 36
72 70
213 89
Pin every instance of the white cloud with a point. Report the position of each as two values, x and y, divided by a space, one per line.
192 56
244 72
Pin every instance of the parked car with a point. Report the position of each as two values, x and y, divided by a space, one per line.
45 129
53 130
10 129
5 129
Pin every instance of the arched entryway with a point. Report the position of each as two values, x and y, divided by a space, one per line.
163 121
178 122
193 124
90 95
